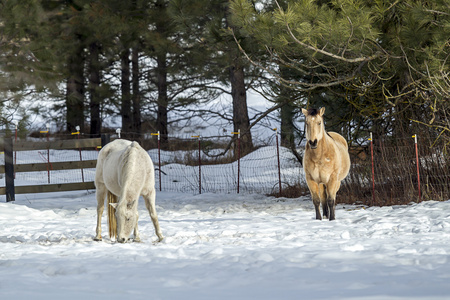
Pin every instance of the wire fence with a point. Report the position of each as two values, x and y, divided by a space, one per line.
257 172
386 171
196 169
393 171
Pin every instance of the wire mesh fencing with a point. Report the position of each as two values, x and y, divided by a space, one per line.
385 171
392 171
257 172
196 168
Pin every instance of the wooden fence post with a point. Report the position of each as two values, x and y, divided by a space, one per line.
9 170
105 139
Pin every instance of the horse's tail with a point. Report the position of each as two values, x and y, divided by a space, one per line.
112 224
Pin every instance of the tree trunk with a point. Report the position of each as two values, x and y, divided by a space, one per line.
136 97
126 93
94 84
75 92
287 113
241 120
161 119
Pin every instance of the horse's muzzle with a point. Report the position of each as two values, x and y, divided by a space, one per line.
121 240
313 144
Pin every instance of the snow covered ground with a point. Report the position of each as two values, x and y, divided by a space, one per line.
224 246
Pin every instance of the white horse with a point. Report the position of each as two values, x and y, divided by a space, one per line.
124 171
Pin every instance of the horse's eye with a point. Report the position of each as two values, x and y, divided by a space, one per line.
320 123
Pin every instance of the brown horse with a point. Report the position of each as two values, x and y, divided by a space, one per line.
326 162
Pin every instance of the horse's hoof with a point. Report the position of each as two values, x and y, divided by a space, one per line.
137 240
98 239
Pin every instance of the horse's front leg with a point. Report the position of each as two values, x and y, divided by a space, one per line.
323 200
314 190
332 188
137 237
100 194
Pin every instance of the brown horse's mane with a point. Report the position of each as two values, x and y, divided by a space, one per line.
313 111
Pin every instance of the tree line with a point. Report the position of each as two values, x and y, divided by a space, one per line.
379 66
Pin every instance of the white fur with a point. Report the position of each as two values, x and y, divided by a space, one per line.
125 169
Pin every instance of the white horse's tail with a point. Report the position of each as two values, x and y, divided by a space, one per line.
112 224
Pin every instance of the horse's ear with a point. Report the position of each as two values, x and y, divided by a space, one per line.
322 111
113 205
304 111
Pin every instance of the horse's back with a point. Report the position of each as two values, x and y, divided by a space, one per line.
342 146
121 161
339 139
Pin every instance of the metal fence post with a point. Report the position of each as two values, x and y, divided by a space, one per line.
159 159
15 140
79 150
159 156
278 159
199 164
239 157
47 132
373 170
417 162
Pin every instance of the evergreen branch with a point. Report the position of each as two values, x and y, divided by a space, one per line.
309 86
326 53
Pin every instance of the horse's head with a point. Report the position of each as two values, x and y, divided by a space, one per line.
314 125
126 217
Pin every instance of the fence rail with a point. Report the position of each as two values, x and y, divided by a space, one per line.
11 168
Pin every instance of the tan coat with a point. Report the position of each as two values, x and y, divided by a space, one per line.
326 163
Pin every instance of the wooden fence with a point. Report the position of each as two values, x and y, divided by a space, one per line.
9 168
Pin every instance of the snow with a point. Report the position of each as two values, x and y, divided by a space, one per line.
222 246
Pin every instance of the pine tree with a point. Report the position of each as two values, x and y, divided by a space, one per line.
207 25
369 58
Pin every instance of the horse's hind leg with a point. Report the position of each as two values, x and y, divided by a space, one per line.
100 194
150 204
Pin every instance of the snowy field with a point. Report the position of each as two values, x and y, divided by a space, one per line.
224 246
